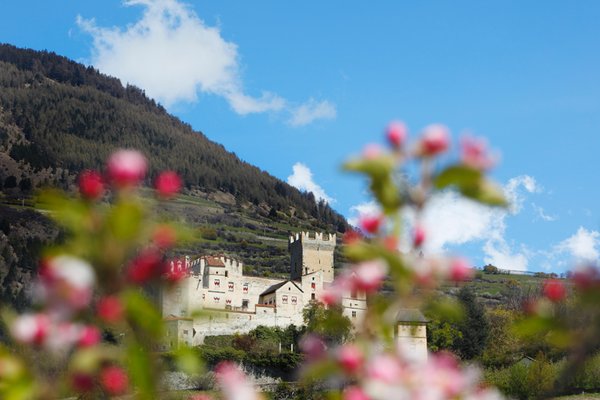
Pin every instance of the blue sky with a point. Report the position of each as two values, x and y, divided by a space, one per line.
313 82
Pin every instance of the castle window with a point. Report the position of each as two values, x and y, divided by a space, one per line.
353 314
217 282
294 300
312 296
245 288
245 303
185 331
313 285
284 299
231 286
226 274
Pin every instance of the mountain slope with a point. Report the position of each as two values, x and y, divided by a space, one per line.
55 113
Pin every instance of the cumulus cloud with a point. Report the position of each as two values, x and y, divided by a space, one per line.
302 178
452 220
311 111
581 246
173 55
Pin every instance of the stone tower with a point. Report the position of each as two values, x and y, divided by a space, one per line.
311 252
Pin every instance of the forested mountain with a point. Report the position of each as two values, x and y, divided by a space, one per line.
58 117
65 115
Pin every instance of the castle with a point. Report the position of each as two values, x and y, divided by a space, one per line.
236 303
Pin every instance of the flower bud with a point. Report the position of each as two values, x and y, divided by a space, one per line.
474 153
350 358
126 168
110 309
435 140
368 276
91 185
89 336
418 236
554 290
460 270
396 134
146 266
354 393
371 223
30 328
114 380
167 184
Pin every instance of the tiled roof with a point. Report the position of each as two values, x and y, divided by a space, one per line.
214 261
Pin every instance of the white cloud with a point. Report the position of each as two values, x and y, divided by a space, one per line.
515 197
365 208
581 246
302 178
542 214
499 253
450 220
311 111
173 55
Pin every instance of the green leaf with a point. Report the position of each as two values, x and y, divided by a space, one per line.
125 220
471 183
457 175
374 167
141 371
188 360
143 313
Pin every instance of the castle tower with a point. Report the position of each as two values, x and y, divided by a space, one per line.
311 252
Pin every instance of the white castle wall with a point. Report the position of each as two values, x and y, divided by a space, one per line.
217 284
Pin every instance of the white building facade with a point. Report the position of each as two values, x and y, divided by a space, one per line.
216 298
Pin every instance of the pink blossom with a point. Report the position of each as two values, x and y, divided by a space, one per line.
371 223
114 380
435 140
350 357
91 185
234 383
474 153
418 236
372 151
351 236
167 184
385 368
354 393
63 336
110 309
369 276
460 270
89 336
312 346
146 266
396 134
586 278
66 282
30 328
554 290
126 168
